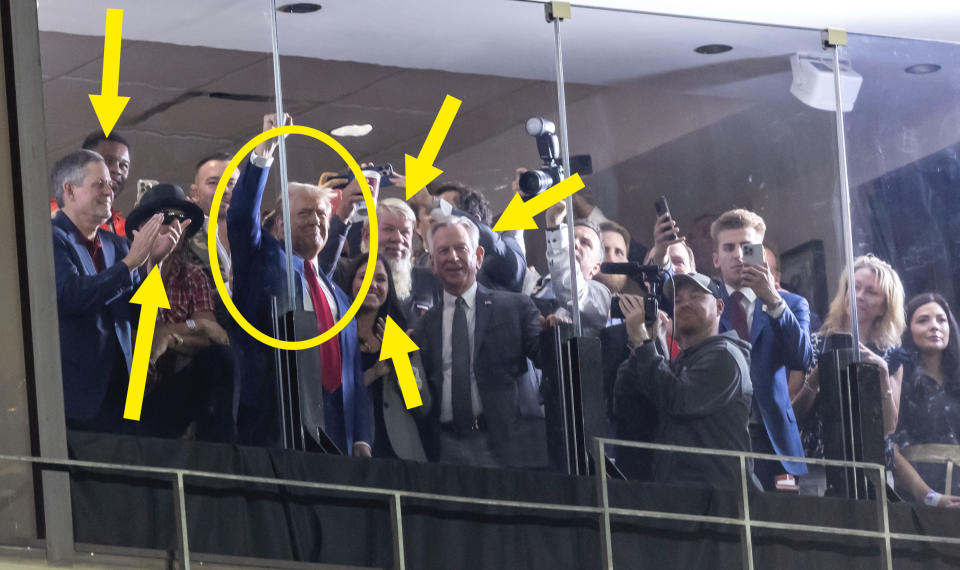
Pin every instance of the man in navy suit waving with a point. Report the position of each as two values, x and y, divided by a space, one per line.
259 273
97 272
777 324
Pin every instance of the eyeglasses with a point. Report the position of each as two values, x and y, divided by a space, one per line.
169 215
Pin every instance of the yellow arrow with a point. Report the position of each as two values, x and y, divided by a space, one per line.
519 214
420 171
150 296
395 346
108 105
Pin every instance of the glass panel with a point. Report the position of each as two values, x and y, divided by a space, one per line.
193 73
17 492
902 147
360 78
701 113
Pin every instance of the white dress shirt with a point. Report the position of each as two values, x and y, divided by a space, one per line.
749 302
449 306
327 293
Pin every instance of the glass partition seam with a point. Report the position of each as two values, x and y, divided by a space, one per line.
565 142
40 345
284 195
847 235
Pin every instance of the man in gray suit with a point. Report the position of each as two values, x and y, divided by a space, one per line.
474 346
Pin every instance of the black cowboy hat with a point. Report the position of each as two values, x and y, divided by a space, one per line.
170 200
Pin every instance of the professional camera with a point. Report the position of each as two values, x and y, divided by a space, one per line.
534 182
650 277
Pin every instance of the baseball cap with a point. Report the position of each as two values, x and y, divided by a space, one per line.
698 279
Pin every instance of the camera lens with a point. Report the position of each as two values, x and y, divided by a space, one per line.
533 182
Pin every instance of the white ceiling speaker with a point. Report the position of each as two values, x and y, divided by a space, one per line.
813 81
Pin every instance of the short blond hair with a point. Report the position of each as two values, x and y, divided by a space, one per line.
886 332
735 220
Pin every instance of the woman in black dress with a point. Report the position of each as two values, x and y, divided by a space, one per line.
930 401
395 430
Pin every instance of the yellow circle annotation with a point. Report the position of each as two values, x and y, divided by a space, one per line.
212 238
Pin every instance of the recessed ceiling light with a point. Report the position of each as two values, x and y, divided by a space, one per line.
711 49
299 8
352 130
921 68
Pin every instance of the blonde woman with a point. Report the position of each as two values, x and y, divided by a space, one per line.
879 295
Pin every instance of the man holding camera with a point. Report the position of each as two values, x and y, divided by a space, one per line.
777 325
555 292
703 395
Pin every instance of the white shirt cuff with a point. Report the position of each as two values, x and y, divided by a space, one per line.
776 310
260 161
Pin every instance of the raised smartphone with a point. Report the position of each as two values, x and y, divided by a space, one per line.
752 253
661 206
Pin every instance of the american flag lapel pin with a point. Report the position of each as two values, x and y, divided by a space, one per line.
488 302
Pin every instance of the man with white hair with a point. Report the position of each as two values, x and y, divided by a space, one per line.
475 344
396 221
259 266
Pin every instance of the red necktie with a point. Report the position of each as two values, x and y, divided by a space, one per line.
738 316
330 370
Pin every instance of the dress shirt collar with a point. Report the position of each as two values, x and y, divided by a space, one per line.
469 296
747 292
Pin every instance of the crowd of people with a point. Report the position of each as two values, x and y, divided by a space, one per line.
730 360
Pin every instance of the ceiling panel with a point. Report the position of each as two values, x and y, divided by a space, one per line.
66 101
62 53
303 79
389 127
169 65
205 116
424 90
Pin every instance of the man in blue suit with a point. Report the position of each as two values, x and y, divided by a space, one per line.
97 272
777 324
259 273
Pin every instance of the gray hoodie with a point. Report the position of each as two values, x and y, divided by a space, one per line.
703 397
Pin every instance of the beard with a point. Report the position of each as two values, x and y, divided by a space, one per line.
402 272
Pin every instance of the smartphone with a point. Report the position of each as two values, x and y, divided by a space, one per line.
143 185
660 204
752 253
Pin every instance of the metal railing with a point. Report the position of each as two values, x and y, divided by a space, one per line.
603 509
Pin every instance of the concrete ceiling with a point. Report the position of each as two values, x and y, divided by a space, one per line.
639 97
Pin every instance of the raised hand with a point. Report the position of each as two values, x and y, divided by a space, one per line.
143 241
267 147
663 232
760 279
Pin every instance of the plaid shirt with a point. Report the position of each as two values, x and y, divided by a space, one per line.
188 291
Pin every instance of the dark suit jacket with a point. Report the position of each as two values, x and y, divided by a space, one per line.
778 345
506 333
95 316
259 273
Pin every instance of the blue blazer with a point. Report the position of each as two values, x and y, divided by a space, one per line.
95 316
778 344
259 273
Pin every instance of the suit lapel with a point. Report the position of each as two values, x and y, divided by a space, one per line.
481 317
725 315
760 321
434 330
109 251
298 284
85 260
